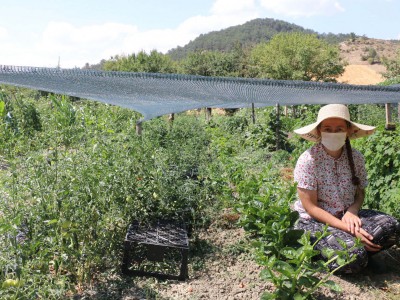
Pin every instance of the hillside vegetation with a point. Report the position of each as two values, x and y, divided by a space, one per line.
229 48
247 34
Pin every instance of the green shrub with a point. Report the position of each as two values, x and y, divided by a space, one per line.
382 156
85 175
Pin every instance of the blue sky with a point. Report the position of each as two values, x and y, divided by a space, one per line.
75 32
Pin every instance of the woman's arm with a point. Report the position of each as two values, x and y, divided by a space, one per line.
309 201
351 216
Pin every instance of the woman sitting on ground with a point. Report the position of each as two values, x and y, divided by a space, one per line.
331 180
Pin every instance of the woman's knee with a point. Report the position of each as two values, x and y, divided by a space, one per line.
384 228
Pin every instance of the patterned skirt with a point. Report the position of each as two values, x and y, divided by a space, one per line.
384 228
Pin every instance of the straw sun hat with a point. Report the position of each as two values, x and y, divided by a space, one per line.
341 111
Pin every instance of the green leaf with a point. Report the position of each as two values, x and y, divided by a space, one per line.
284 268
305 281
266 274
49 222
293 217
291 237
308 280
2 109
327 252
289 253
341 261
332 285
342 243
298 296
268 296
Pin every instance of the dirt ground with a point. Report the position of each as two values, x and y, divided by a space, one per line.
362 74
359 71
225 272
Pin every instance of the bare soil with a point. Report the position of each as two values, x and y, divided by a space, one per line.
227 272
352 51
360 71
362 74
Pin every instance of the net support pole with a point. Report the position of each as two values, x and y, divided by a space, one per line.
398 111
208 114
278 142
389 124
253 113
139 128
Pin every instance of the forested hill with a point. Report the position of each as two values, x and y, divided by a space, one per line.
250 33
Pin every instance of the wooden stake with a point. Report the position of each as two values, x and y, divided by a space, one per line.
398 111
253 114
208 114
139 128
278 142
389 125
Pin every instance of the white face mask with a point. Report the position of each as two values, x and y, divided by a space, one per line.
333 141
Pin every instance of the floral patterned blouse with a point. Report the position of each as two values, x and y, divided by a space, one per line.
316 170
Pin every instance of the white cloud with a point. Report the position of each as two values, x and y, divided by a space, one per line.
302 8
77 45
3 33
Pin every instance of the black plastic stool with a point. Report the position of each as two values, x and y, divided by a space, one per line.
153 243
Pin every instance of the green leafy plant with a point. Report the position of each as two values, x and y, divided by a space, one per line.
297 272
291 262
80 180
382 157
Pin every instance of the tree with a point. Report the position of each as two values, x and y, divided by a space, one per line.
353 37
155 62
216 63
296 56
209 63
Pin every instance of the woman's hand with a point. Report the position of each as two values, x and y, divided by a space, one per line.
354 226
353 222
366 239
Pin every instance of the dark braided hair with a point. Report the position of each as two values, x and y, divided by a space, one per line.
354 179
